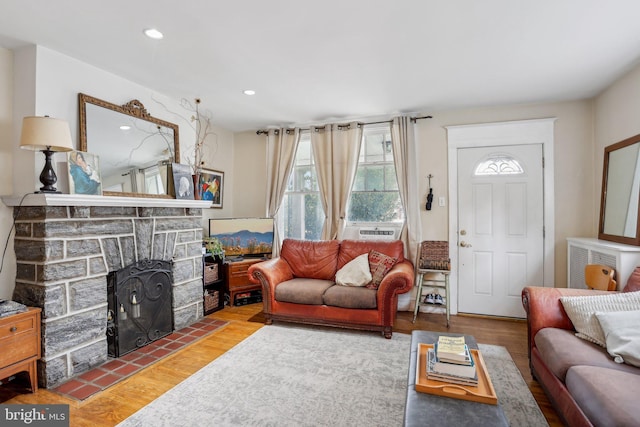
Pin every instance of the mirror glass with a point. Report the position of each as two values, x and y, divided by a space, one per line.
135 150
619 221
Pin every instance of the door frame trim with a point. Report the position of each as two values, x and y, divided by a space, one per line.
520 132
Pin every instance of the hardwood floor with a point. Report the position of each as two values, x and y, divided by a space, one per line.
115 404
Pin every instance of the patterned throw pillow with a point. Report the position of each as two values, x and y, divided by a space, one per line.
582 312
379 265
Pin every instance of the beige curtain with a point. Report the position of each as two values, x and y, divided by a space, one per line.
335 149
281 152
405 160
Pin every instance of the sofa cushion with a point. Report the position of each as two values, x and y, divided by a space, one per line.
379 264
622 335
560 349
302 291
350 297
349 249
311 259
607 397
581 310
355 273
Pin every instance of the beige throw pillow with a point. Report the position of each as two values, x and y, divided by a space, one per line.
355 272
622 335
581 310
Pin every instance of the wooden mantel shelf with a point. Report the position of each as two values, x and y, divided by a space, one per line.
53 199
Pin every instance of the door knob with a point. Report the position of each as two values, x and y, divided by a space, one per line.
464 244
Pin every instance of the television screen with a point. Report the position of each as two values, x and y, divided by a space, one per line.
243 236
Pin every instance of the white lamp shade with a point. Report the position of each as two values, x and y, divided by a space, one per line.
41 133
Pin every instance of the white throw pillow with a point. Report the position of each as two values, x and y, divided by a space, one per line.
582 312
622 335
355 272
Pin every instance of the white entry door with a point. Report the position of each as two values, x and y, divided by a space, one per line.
500 227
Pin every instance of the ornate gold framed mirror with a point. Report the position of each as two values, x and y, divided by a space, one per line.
135 150
620 199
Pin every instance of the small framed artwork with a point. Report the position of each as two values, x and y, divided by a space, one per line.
211 186
84 173
182 181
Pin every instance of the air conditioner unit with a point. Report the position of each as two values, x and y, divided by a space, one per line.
376 233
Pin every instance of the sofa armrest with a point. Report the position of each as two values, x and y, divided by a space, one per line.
544 309
269 273
398 280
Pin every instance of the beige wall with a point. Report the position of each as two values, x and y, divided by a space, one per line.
250 181
617 117
8 266
574 192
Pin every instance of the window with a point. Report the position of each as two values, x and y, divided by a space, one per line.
302 214
499 165
375 196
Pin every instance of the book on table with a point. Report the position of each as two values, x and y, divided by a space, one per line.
444 357
450 372
453 349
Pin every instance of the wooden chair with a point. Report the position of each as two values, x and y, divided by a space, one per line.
600 277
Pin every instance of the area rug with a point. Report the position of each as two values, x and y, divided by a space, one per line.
286 375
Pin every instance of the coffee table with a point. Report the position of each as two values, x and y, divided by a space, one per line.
428 409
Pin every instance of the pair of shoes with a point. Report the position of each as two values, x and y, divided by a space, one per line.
430 299
438 300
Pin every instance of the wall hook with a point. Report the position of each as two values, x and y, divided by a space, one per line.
430 195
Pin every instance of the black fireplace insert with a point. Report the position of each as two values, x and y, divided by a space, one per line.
139 302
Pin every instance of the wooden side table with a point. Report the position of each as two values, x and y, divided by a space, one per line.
20 345
237 280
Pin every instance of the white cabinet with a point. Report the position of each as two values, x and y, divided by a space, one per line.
582 251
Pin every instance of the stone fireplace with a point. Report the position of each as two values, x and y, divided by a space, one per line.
65 247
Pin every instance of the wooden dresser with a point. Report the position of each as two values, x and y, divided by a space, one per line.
20 345
238 286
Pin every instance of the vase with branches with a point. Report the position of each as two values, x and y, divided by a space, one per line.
200 122
202 126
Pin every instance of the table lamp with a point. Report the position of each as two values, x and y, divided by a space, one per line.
48 135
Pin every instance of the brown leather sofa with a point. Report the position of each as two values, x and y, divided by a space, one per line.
299 285
583 383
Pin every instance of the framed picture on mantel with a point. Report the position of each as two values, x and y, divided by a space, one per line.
182 181
211 186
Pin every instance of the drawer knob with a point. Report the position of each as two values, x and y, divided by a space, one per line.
13 329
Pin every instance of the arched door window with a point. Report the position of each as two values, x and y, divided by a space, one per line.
499 164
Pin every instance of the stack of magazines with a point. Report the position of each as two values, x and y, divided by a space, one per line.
450 361
7 308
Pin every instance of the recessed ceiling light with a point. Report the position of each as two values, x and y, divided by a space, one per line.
153 33
125 127
249 92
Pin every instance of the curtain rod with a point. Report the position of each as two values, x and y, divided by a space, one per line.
413 119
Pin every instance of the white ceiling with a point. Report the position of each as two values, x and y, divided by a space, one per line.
310 62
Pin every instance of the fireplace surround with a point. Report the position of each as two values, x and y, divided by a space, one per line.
66 245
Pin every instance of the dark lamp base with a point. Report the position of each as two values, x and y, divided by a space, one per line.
48 176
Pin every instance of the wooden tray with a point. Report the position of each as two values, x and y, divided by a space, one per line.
483 393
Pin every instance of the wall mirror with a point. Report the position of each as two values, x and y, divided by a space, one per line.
619 220
135 150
